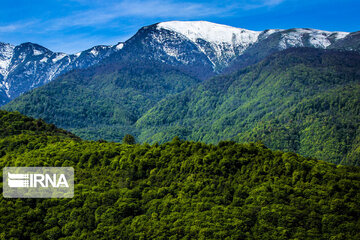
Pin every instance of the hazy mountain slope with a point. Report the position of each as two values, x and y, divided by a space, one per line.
103 101
280 93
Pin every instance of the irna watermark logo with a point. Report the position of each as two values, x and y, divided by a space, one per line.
38 182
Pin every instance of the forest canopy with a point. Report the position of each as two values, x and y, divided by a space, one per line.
176 190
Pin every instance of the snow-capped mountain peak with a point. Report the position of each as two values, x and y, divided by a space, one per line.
211 32
220 43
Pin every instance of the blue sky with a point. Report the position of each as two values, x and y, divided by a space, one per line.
75 25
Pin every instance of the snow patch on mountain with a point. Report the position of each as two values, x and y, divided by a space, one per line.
22 70
4 64
341 35
7 89
58 57
221 43
6 54
94 52
301 37
37 52
44 59
119 46
268 32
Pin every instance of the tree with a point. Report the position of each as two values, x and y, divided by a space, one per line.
129 139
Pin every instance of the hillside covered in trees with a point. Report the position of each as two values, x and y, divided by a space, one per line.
176 190
103 101
301 100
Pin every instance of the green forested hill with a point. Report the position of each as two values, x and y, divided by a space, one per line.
176 190
14 123
301 100
103 101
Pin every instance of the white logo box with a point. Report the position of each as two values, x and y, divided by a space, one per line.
38 182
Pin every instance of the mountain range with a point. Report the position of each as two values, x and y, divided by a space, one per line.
201 48
295 90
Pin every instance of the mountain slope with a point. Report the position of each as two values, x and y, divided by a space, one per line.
218 42
303 100
178 190
350 43
103 101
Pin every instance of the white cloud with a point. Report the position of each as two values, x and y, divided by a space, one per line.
249 5
8 28
105 13
13 27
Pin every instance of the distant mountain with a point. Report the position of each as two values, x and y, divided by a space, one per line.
201 49
29 65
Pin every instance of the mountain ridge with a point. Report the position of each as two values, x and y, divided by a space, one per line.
29 65
201 48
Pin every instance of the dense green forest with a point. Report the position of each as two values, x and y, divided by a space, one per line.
302 100
176 190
